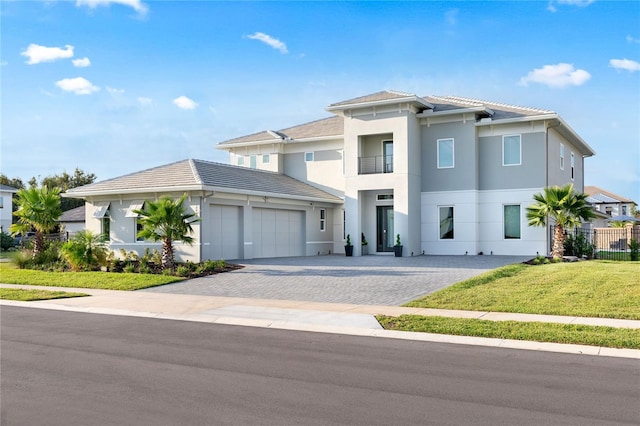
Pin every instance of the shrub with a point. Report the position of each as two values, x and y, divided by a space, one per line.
634 246
6 242
183 271
85 251
129 268
578 245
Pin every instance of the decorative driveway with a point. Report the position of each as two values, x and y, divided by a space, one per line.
366 280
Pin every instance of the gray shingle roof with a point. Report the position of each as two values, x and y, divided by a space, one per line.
331 126
73 215
7 188
205 175
334 126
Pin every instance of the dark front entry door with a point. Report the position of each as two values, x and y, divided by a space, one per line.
384 240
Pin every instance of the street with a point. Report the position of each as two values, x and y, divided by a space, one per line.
65 368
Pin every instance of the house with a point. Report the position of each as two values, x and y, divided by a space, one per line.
448 175
6 207
609 203
72 221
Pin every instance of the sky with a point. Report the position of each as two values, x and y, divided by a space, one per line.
117 86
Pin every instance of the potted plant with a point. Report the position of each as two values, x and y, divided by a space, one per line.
348 248
398 247
364 244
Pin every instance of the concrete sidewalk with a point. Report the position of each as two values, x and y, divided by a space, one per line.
308 316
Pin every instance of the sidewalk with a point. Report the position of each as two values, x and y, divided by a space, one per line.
308 316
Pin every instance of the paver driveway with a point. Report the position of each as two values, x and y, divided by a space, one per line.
366 280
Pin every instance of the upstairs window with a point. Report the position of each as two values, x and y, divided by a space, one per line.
445 153
265 159
241 161
252 161
511 150
561 156
573 165
308 157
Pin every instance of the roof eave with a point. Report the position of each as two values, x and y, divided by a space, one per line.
227 145
407 99
430 113
155 189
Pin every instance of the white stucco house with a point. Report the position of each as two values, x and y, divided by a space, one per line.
450 175
72 221
6 207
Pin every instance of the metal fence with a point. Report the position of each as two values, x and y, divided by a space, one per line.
602 243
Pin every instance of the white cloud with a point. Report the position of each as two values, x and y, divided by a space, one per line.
625 64
144 101
184 103
78 85
113 91
579 3
630 39
560 75
136 5
81 63
271 41
37 53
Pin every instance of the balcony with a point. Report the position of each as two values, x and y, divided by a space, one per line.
377 164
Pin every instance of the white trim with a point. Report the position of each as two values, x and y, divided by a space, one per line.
519 163
453 217
453 153
504 223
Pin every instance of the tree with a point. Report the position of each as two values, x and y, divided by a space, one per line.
562 206
65 182
15 182
166 220
38 209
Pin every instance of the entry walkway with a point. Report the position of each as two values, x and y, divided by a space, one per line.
350 319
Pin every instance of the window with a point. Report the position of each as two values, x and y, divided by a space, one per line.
573 165
511 153
387 150
608 210
1 202
252 161
323 219
240 161
135 205
561 156
446 223
138 229
308 156
445 153
265 159
624 210
512 222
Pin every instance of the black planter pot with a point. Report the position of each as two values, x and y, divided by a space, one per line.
397 251
348 250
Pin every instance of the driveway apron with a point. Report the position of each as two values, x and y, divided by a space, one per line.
364 280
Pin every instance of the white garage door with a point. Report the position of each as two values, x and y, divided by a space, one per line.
277 233
225 233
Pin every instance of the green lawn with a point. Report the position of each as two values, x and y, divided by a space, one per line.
9 274
25 295
597 288
515 330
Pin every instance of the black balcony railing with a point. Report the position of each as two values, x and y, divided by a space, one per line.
377 164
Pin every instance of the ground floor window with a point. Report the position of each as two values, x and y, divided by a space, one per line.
512 222
446 223
323 219
106 227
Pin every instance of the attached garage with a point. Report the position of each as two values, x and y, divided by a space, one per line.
226 236
278 233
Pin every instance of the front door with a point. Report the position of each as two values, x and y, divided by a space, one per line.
384 239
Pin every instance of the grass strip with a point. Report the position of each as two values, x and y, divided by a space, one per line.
515 330
28 295
96 280
602 289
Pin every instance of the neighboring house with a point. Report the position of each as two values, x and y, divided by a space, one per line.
6 207
72 221
450 175
609 203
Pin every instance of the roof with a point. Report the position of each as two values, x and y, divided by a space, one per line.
73 215
194 175
7 188
430 105
599 195
331 126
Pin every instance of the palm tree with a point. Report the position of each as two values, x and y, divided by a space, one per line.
85 250
166 220
564 207
38 209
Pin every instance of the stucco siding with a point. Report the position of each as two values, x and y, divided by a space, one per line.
465 222
561 175
493 175
463 176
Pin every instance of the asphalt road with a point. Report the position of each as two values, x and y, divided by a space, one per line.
63 368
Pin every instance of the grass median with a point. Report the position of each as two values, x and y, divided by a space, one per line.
602 289
29 295
9 274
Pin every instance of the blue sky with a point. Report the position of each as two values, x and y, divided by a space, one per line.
117 86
